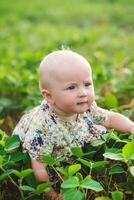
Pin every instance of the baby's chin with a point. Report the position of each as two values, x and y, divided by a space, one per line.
82 111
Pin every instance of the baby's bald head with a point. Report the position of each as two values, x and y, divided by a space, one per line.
56 64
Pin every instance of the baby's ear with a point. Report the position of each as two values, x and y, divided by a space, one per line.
47 95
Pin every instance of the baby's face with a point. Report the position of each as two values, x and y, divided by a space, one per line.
72 90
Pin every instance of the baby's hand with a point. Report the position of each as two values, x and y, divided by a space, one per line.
52 195
132 129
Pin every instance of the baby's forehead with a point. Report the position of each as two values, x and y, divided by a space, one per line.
60 63
62 59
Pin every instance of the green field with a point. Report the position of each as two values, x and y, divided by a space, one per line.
100 30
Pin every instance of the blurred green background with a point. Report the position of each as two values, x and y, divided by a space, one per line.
100 30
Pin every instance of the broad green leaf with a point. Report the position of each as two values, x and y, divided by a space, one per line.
5 174
2 143
91 184
12 143
85 162
100 163
77 151
89 153
2 134
128 151
27 188
96 143
106 136
5 102
73 194
17 173
113 156
73 169
63 170
88 177
26 172
126 113
72 182
117 195
42 187
102 198
131 137
116 169
113 150
1 160
131 170
111 100
79 176
115 137
16 156
48 160
59 159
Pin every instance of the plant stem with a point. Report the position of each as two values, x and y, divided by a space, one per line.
109 182
21 193
58 173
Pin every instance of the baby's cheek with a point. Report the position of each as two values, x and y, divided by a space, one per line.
69 103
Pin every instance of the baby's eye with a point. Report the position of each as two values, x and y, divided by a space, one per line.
72 87
87 84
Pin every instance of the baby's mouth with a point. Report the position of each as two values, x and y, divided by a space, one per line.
81 103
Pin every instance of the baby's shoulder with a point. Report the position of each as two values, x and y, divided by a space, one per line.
29 119
97 114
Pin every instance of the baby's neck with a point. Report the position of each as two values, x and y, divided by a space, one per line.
66 117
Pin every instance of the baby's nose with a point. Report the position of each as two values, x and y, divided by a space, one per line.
82 92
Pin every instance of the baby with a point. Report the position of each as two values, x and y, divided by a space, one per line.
69 115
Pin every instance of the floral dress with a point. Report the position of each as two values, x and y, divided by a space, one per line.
43 132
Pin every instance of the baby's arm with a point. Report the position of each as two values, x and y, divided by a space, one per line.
39 170
118 122
41 176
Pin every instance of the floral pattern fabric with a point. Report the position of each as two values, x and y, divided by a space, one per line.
43 132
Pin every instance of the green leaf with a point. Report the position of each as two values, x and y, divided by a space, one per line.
63 170
72 182
59 159
113 156
1 160
48 160
128 151
5 174
131 170
113 150
115 137
73 194
117 195
131 137
26 172
12 143
17 173
102 198
73 169
106 136
111 100
77 151
89 153
2 134
100 163
91 184
5 102
85 162
116 169
27 188
16 156
42 187
79 176
96 143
